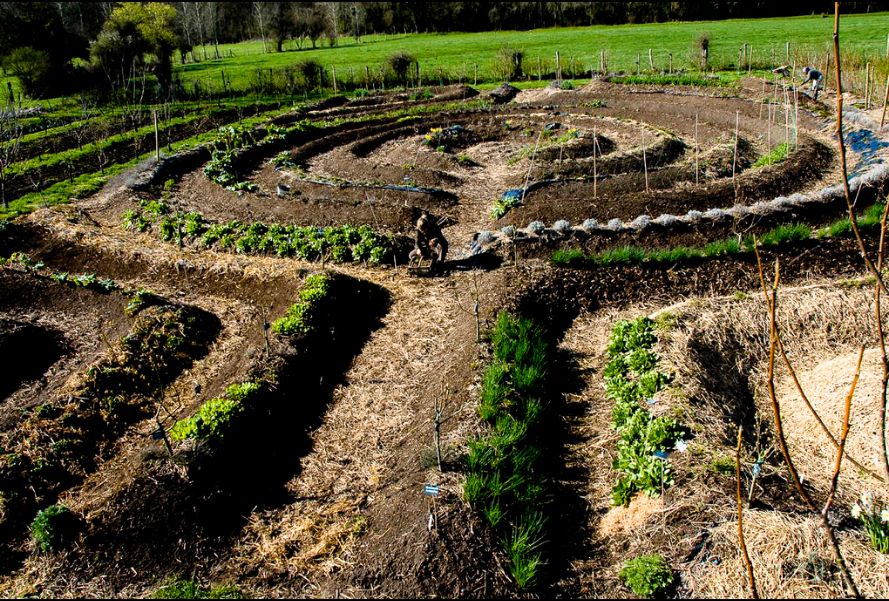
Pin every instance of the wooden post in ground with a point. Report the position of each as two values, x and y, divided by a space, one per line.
885 101
735 157
333 77
769 134
595 174
476 76
366 77
558 67
866 83
696 149
638 62
644 160
157 146
650 60
787 51
671 64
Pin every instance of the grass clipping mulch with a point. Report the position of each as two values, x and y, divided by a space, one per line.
719 351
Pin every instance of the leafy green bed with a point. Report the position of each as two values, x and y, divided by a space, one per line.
632 378
504 480
340 244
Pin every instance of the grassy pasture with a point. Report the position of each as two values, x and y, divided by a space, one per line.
455 55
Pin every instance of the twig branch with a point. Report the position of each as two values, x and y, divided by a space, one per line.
741 541
773 397
842 146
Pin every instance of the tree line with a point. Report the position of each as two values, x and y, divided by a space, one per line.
58 48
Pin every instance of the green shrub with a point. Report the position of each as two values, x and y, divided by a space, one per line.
53 528
647 575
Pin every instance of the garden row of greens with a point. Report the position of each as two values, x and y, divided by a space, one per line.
337 243
218 416
505 480
729 247
631 379
91 182
56 444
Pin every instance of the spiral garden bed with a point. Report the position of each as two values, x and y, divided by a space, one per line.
297 471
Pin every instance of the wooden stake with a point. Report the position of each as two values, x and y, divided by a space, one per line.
769 133
787 52
671 64
650 60
866 86
476 75
735 159
595 174
696 149
644 160
333 76
157 147
885 100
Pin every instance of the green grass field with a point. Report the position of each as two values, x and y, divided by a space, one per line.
456 55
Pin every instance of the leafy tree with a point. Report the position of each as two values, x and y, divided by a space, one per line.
36 47
138 36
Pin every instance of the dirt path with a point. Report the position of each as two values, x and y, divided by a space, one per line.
371 459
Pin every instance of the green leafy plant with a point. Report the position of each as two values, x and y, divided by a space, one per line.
301 316
53 528
647 575
214 418
779 153
874 516
631 377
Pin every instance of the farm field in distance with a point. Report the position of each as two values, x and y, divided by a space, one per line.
658 322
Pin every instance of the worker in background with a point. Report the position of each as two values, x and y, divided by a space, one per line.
814 76
430 243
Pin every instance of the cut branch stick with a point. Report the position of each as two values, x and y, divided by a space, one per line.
850 207
843 435
754 593
773 397
884 359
